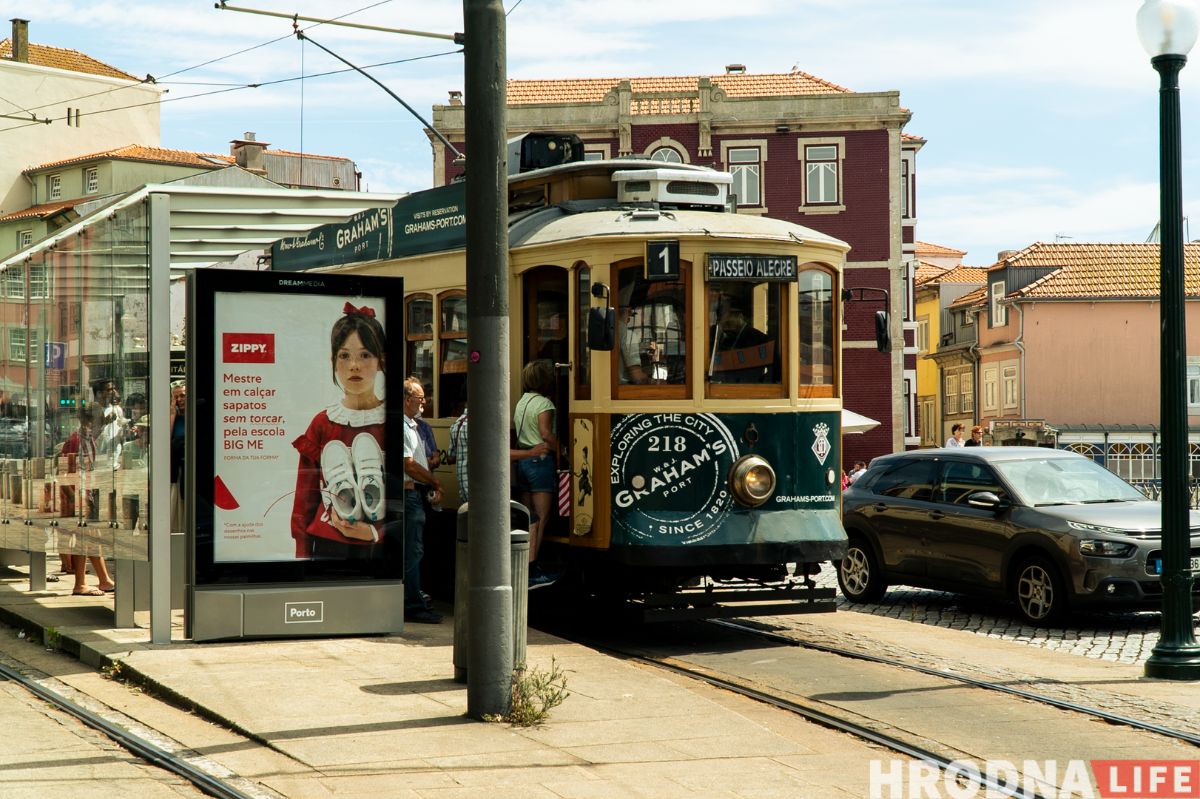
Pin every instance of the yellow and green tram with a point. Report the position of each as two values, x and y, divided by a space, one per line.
701 464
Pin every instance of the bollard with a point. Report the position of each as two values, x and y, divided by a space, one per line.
519 519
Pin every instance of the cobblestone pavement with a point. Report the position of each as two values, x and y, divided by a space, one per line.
1118 637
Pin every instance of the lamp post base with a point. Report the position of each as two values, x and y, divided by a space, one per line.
1174 663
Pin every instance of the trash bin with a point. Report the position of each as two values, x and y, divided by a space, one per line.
519 553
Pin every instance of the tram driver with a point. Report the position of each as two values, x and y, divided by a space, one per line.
636 351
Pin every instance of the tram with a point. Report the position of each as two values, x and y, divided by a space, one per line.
699 371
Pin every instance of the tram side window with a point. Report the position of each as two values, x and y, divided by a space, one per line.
452 377
744 324
816 329
650 329
583 359
418 353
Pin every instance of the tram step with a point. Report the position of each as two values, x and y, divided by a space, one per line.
701 596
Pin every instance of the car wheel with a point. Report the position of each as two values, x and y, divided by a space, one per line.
859 575
1039 591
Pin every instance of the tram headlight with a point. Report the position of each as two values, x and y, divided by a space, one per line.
752 480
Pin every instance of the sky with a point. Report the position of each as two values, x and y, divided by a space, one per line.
1041 116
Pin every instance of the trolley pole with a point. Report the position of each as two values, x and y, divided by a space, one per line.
490 617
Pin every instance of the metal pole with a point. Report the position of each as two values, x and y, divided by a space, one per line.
1176 656
159 513
489 616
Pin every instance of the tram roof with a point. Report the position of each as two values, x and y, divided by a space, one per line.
582 219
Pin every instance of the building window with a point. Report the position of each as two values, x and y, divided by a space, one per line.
821 174
24 238
966 388
951 393
923 334
17 341
14 282
968 318
904 190
928 421
990 379
91 180
1009 380
667 155
597 152
55 184
39 282
1193 386
593 155
999 312
746 167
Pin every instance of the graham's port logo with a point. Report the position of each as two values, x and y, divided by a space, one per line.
669 475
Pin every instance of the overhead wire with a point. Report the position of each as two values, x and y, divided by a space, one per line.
150 79
242 86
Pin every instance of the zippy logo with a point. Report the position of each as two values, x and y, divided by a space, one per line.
248 348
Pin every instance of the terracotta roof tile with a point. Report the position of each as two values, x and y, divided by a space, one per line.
40 211
927 272
138 152
976 297
925 248
1100 271
593 90
61 58
965 274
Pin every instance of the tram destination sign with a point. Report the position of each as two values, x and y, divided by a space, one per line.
743 266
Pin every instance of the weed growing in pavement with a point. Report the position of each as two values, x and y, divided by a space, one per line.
52 638
535 693
113 671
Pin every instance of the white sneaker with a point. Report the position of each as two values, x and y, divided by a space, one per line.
368 468
338 470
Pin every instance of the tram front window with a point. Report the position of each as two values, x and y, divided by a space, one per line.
744 323
650 324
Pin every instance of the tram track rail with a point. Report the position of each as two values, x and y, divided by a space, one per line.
135 744
947 765
1062 704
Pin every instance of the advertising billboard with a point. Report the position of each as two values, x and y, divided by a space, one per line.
296 403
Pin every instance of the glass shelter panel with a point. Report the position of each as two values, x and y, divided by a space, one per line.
74 388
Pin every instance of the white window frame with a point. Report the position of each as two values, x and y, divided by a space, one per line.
24 238
667 143
14 282
966 390
951 393
999 313
759 168
923 334
54 186
821 184
1193 386
39 281
905 205
91 180
17 342
1008 379
991 381
968 319
839 204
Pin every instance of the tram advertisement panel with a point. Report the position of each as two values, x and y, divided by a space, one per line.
296 399
669 475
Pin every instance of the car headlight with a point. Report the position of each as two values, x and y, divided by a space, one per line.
752 480
1095 528
1106 549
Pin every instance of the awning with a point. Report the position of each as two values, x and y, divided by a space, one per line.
856 423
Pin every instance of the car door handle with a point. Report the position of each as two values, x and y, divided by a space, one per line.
936 514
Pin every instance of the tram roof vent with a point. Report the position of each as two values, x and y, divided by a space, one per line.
677 187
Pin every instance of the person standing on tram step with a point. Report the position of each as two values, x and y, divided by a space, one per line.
956 435
533 421
339 506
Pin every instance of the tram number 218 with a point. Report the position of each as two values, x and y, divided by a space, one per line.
667 444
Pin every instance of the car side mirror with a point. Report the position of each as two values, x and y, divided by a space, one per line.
986 500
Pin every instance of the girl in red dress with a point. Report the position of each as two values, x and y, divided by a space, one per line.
339 505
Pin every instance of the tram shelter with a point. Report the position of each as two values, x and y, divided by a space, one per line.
99 305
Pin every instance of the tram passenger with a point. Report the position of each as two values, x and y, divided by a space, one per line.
533 421
741 352
633 346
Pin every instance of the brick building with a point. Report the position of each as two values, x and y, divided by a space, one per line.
800 148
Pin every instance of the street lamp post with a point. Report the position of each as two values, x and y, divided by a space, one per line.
1167 29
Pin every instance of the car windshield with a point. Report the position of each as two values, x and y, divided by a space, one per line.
1065 481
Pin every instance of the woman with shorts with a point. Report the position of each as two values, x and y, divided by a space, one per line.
533 422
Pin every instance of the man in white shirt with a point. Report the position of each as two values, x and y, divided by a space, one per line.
416 470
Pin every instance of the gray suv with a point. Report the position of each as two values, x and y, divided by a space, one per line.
1046 528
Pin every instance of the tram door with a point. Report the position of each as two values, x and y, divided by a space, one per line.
546 325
